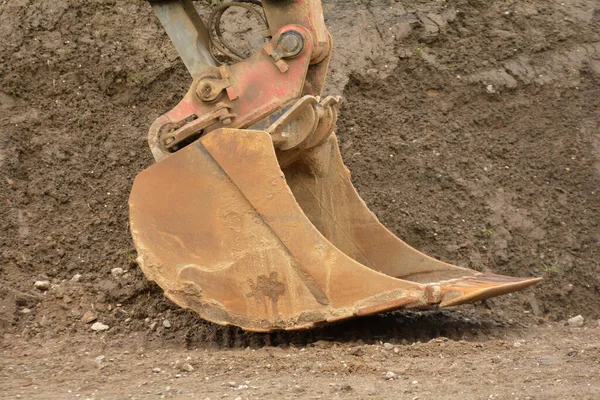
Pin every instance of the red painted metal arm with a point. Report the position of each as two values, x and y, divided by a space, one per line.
291 65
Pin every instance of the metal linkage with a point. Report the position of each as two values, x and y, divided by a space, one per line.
187 32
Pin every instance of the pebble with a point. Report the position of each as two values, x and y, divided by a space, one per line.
390 375
100 358
42 285
576 321
323 344
356 351
187 368
99 327
166 323
156 370
388 346
25 310
117 272
76 278
89 317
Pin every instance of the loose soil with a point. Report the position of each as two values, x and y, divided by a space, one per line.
472 130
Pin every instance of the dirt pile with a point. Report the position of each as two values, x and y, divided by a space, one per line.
471 130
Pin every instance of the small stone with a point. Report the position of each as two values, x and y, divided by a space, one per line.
390 375
546 361
166 323
238 398
89 317
323 344
388 346
356 351
517 344
59 293
396 350
100 358
576 321
25 310
99 327
117 272
156 370
177 375
42 285
76 278
187 368
490 89
231 383
415 382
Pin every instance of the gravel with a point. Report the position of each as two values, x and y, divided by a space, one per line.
187 368
89 317
117 272
576 321
42 285
99 327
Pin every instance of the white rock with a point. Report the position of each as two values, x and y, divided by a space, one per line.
42 285
166 323
390 375
576 321
99 327
156 370
388 346
76 278
187 368
117 272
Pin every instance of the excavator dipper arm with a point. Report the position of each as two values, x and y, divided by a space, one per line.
249 216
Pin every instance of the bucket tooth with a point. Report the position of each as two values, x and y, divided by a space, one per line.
225 232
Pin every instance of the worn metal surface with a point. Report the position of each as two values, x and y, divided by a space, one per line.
222 231
188 33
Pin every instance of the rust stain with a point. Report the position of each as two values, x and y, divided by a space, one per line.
266 286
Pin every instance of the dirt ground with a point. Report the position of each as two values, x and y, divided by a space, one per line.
472 130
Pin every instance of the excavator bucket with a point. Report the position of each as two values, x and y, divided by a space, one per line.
231 230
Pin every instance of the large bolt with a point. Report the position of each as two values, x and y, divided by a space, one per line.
206 90
291 43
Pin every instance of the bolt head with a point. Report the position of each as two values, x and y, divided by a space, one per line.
206 90
291 43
